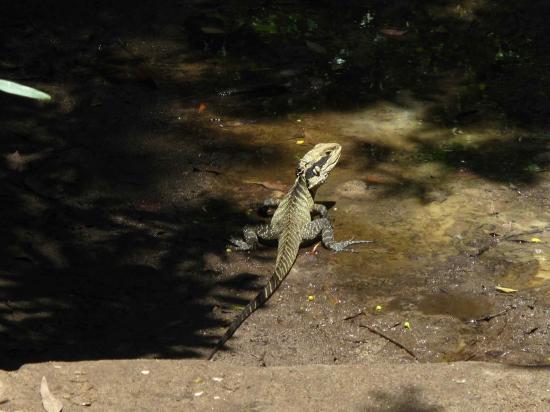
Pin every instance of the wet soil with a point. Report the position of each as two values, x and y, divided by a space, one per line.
161 140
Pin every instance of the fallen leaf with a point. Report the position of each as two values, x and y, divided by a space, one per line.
535 240
49 402
300 141
15 161
379 179
505 290
18 162
407 325
393 32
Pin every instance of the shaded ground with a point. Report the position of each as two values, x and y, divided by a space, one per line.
171 123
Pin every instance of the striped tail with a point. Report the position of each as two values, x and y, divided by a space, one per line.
291 216
281 271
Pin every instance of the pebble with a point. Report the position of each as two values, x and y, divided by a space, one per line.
353 189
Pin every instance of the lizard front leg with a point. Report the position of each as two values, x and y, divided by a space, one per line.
270 203
323 227
252 236
319 209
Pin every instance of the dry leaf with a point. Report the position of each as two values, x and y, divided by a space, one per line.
49 402
15 161
18 162
393 32
379 179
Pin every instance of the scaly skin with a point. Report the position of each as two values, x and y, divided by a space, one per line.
291 225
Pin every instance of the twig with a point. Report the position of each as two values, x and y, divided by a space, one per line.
487 318
356 315
530 232
399 345
509 238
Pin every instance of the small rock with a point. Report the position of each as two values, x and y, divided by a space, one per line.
353 189
435 196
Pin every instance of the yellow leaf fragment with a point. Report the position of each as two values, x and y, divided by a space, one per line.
378 308
311 298
300 141
407 325
535 240
505 290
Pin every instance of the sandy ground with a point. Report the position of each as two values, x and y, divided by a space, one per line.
164 385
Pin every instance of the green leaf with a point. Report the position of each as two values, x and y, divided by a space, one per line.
25 91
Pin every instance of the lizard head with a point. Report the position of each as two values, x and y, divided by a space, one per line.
316 164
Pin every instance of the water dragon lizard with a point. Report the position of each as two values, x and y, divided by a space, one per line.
291 225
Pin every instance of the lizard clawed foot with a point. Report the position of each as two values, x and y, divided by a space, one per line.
239 244
341 246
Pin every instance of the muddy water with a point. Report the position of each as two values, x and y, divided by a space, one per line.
389 188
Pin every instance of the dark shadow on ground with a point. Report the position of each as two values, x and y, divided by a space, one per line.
105 231
409 399
97 261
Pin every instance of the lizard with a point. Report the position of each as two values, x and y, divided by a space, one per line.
291 225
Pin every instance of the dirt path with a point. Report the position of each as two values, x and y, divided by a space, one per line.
149 385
